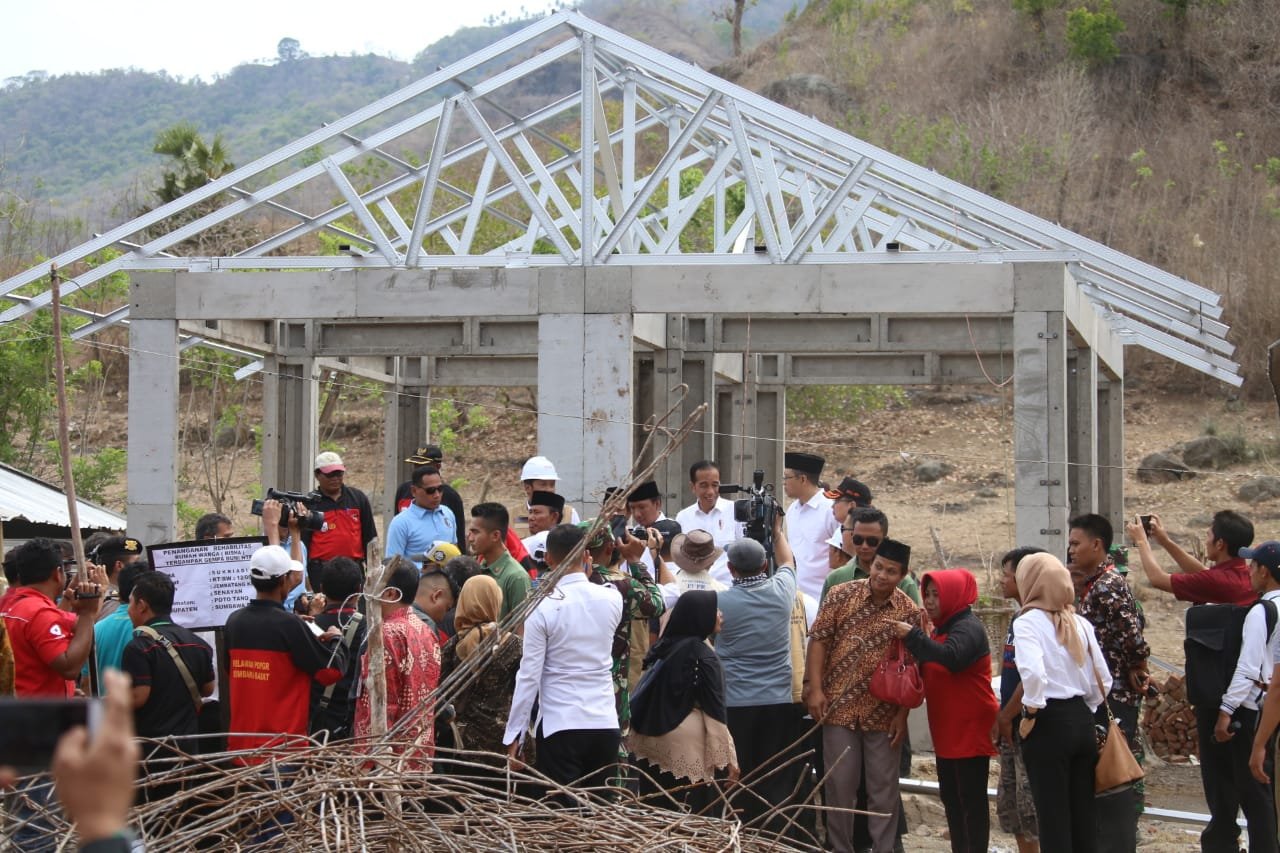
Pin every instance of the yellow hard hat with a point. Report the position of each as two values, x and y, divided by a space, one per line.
440 553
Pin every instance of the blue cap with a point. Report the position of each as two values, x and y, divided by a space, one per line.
1267 553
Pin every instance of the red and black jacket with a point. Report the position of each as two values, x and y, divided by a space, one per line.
273 658
348 527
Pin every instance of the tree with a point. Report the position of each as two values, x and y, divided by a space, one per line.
196 163
290 50
1035 9
733 13
1091 36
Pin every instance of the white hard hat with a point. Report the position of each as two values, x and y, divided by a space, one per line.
538 468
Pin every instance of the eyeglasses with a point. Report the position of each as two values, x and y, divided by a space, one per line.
871 541
431 490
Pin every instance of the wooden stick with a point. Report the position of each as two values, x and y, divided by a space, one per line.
64 431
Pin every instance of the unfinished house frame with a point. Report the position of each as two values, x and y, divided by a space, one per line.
574 210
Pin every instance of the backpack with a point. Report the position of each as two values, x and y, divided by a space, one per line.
1212 646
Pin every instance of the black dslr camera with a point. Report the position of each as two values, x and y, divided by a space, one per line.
288 507
757 513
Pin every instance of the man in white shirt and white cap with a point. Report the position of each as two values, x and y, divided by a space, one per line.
810 522
539 475
711 513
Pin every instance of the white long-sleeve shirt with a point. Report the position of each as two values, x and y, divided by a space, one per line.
1258 656
809 526
568 654
1047 669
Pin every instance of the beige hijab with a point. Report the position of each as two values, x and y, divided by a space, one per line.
479 604
1045 584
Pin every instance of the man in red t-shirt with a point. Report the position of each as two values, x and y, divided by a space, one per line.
1226 581
49 645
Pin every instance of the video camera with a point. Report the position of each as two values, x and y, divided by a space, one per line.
757 513
288 507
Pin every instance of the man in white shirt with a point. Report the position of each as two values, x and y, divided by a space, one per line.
1232 786
810 521
566 666
546 510
711 513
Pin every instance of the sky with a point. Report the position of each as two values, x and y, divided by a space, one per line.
67 36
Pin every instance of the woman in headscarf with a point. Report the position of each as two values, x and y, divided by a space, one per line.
1064 680
955 664
481 708
678 728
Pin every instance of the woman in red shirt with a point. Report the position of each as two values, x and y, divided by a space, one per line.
956 666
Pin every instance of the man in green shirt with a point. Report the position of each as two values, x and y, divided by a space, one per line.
867 528
486 538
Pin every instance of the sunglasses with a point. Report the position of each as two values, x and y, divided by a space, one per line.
859 539
331 473
431 490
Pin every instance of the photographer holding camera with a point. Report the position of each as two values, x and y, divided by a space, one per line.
348 519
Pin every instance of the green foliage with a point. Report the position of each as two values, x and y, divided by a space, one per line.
194 162
451 426
94 473
1091 36
1035 9
841 402
188 515
26 389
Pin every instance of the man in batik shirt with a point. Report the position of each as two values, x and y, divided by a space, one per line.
412 666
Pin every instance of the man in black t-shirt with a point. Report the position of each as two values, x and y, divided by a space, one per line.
340 581
162 700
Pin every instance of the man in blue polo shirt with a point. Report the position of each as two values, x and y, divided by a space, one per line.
425 521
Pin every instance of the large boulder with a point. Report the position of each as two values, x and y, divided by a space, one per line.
798 90
1162 468
1208 452
1259 489
932 470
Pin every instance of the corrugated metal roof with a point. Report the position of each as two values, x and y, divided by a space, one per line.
27 497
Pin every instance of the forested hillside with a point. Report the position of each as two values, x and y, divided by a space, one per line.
75 137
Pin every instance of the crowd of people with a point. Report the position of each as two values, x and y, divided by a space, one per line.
679 659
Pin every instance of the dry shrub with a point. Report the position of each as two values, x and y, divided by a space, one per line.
1162 155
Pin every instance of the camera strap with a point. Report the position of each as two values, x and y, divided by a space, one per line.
177 660
348 637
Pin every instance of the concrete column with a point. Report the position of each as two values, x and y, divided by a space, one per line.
585 371
1082 419
1111 450
290 402
1040 429
153 430
408 426
771 416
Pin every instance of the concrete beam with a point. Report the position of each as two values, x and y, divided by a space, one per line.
1082 430
153 430
1111 450
1089 328
1040 429
900 287
585 387
408 425
290 403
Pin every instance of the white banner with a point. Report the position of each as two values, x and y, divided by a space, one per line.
210 578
